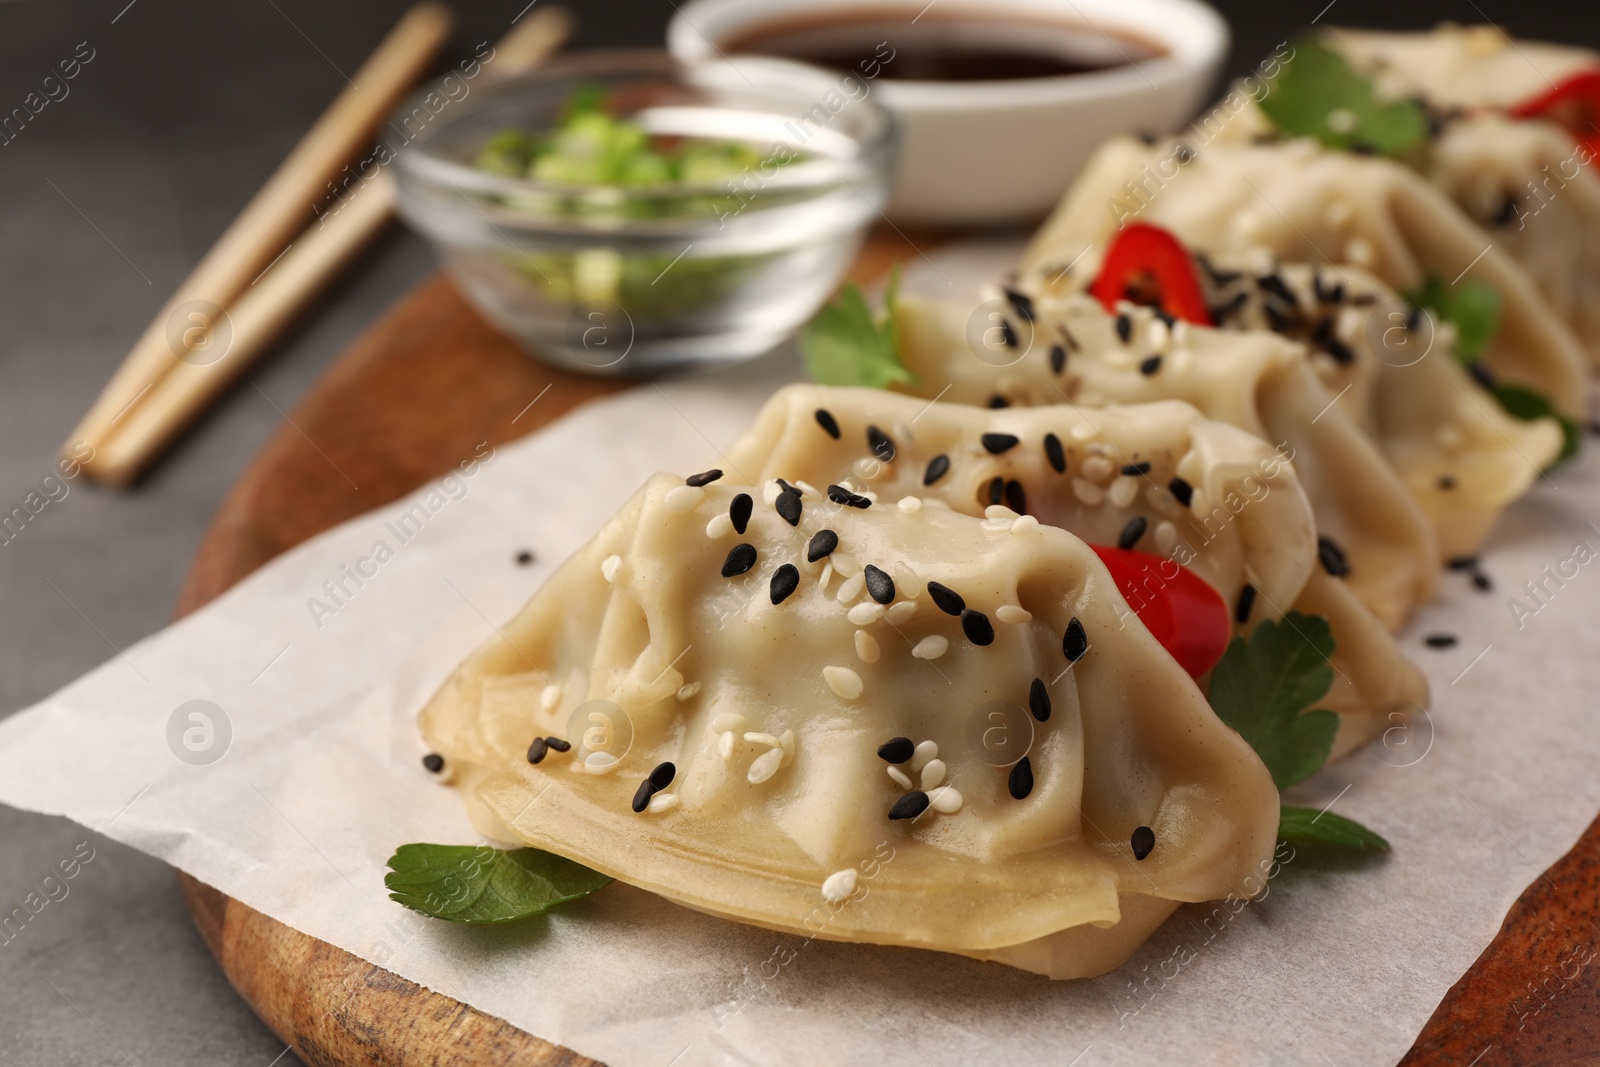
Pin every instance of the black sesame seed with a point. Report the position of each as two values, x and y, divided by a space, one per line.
1181 490
1074 643
1132 532
938 467
1055 453
1482 374
1008 336
788 506
821 545
1136 469
703 478
1066 335
1021 301
840 495
1039 700
524 558
897 750
997 490
1332 556
997 402
538 750
785 580
977 627
1150 365
739 511
1058 358
662 776
879 585
1507 212
946 599
1224 312
1020 781
1342 353
1446 482
1463 563
1272 283
1124 328
1016 497
1413 318
910 806
642 795
1247 601
740 559
1441 640
829 424
1594 428
558 745
1143 842
880 444
1481 582
433 762
996 443
784 486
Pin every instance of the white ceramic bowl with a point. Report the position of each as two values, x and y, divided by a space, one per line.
986 152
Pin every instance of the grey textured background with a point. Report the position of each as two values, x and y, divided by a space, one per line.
106 200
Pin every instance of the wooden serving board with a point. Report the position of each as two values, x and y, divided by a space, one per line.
422 387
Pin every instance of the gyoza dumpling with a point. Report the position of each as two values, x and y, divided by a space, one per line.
769 716
1156 477
1308 205
1461 456
1073 352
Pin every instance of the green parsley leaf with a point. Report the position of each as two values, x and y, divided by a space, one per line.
1306 826
845 344
1318 94
478 884
1262 686
1523 403
1472 307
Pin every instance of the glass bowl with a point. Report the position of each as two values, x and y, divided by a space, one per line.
636 279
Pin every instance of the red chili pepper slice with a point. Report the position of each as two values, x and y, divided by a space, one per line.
1181 611
1147 265
1574 104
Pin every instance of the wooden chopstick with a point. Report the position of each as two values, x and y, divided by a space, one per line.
268 306
279 211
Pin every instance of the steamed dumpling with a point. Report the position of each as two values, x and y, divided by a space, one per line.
1075 353
1305 204
769 716
1201 493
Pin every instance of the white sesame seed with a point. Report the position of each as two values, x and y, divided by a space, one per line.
910 505
721 525
786 745
900 611
839 885
688 690
867 647
662 802
827 576
549 696
931 647
1156 335
769 493
1024 524
725 745
865 613
899 777
1097 468
764 766
870 495
1013 613
907 578
613 563
843 681
903 434
1166 537
683 497
847 565
756 737
1124 491
1359 250
851 588
1199 503
945 800
932 774
999 511
1083 432
1088 492
599 762
925 751
997 526
728 720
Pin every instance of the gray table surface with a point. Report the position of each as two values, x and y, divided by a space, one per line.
107 198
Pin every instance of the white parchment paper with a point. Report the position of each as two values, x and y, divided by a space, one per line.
320 780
